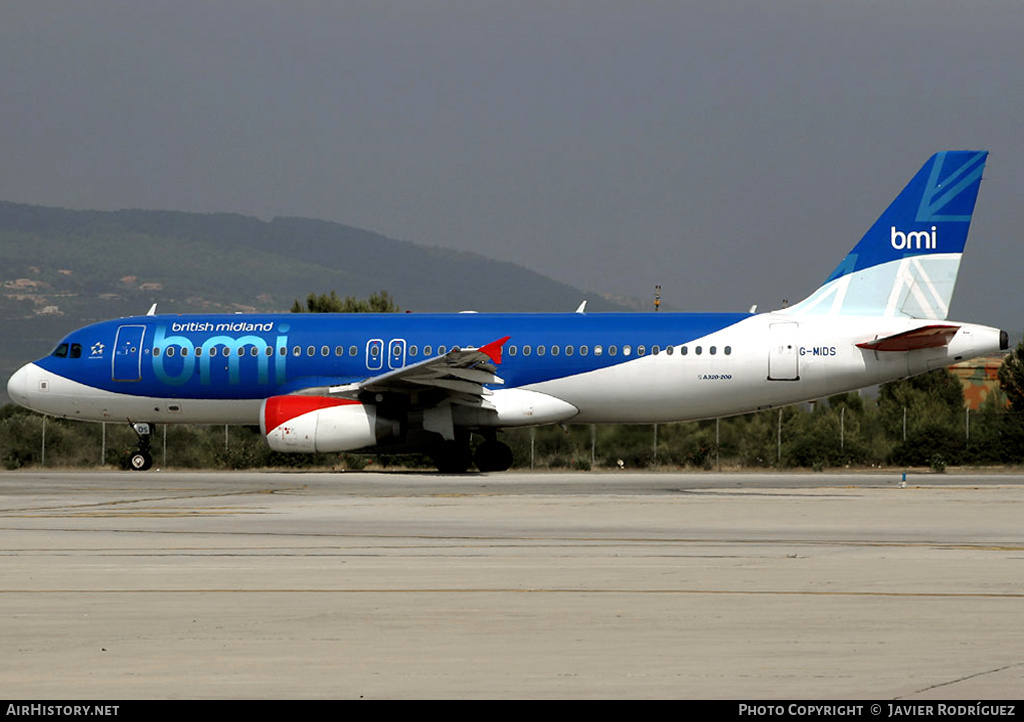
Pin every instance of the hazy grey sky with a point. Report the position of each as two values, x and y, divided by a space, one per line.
730 151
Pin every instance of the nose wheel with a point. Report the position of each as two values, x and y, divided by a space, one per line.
141 459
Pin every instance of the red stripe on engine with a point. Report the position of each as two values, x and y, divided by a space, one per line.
278 410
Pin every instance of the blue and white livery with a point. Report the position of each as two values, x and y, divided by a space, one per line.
426 382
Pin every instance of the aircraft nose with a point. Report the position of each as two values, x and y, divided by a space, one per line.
18 385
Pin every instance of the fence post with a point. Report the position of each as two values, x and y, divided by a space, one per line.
718 445
778 458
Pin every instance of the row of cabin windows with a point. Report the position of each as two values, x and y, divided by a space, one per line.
283 351
428 351
613 350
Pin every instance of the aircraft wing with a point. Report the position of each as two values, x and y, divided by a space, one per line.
461 374
932 336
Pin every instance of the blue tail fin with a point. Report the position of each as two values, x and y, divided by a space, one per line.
906 264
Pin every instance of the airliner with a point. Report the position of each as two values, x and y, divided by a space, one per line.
428 382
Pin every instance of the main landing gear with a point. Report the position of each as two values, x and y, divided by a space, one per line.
454 456
493 455
142 459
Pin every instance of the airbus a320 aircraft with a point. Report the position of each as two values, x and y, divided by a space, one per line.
426 382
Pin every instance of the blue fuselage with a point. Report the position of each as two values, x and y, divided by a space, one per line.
256 356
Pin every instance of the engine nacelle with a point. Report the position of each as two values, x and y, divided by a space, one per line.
314 424
516 407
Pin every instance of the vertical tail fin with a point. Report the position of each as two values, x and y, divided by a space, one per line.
906 264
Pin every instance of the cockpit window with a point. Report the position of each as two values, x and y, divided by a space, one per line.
68 350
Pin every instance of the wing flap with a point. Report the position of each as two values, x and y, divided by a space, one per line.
934 336
474 375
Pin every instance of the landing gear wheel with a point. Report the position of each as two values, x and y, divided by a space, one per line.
452 457
141 461
493 456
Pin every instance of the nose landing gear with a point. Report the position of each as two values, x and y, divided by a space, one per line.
142 459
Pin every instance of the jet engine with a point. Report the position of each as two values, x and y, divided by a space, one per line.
314 424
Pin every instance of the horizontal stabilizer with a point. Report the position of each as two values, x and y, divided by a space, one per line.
924 337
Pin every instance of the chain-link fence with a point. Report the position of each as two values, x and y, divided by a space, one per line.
862 435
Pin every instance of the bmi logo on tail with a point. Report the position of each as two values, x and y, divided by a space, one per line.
917 240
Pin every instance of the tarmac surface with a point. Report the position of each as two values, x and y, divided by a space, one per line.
246 585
